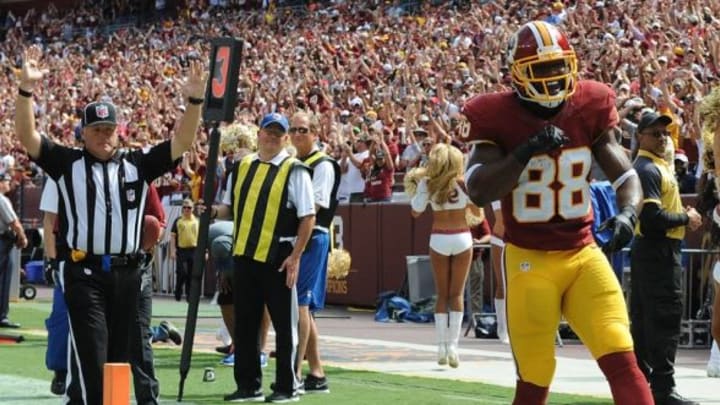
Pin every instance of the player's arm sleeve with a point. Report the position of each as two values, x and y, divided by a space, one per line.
473 124
654 219
603 112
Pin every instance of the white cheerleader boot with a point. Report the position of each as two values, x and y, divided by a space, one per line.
453 338
441 321
713 366
501 320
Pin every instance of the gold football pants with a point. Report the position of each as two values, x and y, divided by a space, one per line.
577 284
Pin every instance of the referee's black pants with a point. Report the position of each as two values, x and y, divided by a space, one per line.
102 308
254 285
146 384
656 308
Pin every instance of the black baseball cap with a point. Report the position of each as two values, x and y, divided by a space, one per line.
650 118
99 113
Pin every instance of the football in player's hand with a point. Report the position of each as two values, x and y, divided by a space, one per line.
150 233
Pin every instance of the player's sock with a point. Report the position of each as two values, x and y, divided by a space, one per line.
627 382
527 393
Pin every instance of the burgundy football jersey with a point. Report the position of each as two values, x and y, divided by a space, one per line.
550 207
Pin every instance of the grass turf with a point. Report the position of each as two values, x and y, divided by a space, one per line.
348 387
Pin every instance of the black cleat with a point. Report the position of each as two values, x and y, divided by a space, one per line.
281 398
316 385
172 331
57 386
245 395
672 398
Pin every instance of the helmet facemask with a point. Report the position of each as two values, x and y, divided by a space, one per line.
542 74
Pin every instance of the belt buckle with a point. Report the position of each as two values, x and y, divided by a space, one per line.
77 255
119 261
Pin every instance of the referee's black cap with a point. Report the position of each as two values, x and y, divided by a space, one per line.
99 113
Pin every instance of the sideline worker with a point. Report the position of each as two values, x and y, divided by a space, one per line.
270 197
656 268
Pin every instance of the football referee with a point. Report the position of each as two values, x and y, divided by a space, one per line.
102 191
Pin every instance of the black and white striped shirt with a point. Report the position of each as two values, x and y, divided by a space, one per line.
103 202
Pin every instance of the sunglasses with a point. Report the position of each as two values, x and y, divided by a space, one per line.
187 208
658 133
299 130
427 144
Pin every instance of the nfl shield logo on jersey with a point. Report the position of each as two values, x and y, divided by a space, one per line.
101 111
525 266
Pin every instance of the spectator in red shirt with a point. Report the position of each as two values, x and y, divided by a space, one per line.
379 175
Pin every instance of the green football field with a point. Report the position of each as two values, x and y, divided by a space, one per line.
24 380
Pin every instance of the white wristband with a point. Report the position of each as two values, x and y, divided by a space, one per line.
495 205
623 178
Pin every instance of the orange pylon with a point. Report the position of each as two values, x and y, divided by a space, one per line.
116 384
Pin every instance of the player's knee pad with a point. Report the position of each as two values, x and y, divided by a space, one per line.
609 338
537 368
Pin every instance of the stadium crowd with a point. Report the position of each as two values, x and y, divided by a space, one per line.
375 72
385 80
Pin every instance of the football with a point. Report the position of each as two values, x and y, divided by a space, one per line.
150 232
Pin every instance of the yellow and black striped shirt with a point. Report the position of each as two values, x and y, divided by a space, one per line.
662 214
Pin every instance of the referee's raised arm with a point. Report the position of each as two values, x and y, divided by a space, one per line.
194 90
30 74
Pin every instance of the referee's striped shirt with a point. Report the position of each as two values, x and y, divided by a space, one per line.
103 202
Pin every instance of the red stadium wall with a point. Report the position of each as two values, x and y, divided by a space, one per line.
378 237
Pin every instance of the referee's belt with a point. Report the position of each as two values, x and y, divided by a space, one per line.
106 262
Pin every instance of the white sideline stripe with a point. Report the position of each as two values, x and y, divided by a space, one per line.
414 346
572 375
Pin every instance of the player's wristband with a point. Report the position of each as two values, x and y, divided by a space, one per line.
623 178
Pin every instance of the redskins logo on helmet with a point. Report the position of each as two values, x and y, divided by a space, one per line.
542 64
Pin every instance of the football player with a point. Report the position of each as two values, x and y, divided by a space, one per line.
533 150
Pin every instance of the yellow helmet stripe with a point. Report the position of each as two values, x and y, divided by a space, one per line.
542 35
